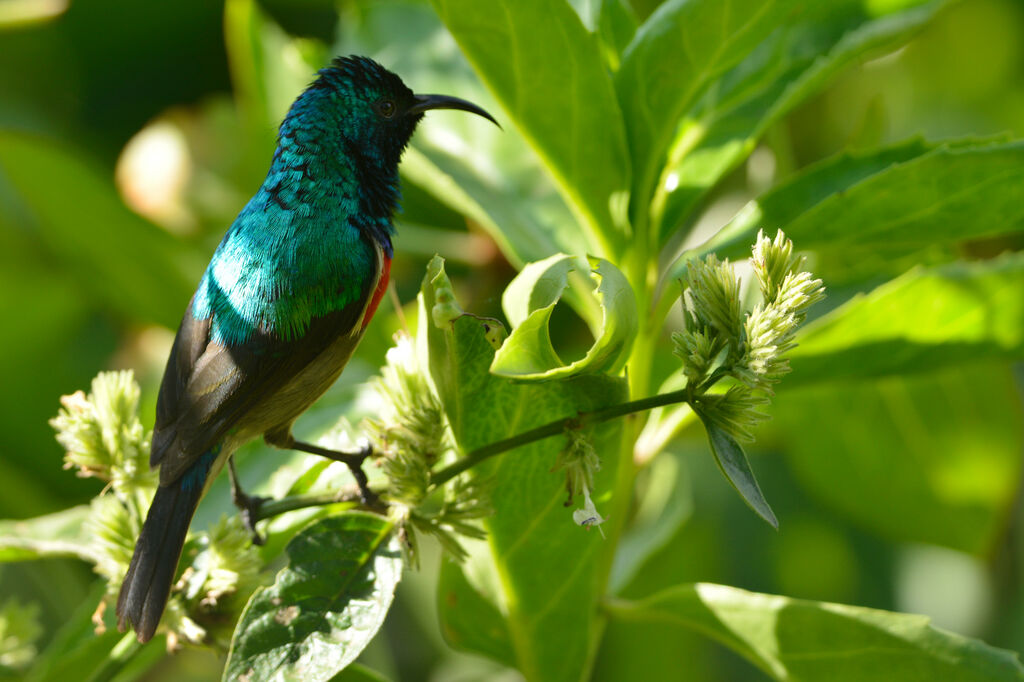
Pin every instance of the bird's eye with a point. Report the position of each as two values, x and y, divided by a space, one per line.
385 107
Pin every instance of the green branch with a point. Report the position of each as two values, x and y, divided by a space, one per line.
273 508
555 428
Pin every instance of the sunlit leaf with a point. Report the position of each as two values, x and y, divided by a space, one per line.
59 534
793 63
903 197
547 72
676 55
469 620
926 319
795 639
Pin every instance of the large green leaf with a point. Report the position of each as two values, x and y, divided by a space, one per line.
931 458
324 607
133 265
926 319
550 572
676 55
547 72
793 63
529 301
795 639
59 534
898 198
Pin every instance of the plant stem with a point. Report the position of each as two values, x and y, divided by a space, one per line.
553 429
272 508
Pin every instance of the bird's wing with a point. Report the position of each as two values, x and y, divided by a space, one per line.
208 387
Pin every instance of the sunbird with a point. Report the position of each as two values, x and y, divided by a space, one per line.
281 307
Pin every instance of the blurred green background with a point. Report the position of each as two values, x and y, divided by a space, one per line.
131 133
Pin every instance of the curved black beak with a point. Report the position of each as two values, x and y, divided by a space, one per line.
425 102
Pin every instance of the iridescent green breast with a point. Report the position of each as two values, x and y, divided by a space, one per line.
278 268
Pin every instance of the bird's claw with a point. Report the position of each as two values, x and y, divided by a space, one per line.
355 465
249 510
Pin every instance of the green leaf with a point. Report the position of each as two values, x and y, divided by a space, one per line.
614 23
682 48
470 621
926 319
529 300
551 571
734 465
616 26
547 72
795 639
933 458
60 534
793 63
324 607
134 266
514 225
904 197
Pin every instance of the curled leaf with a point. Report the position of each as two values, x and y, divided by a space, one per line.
529 301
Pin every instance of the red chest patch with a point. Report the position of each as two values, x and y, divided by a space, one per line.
378 293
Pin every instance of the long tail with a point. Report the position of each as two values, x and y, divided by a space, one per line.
147 584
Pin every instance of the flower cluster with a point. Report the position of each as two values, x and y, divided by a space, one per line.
103 435
104 438
721 340
787 291
411 436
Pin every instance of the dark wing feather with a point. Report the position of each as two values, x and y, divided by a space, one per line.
209 388
189 344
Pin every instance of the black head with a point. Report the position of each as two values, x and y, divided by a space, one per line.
371 107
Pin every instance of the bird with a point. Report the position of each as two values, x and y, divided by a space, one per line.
281 306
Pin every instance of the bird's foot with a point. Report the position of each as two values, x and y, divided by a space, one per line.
249 510
248 505
353 460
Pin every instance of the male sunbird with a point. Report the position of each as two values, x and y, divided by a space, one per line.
282 305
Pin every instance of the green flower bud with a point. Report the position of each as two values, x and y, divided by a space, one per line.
103 435
712 298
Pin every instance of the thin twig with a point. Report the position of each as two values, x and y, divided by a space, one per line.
554 428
